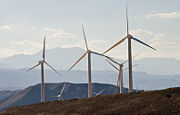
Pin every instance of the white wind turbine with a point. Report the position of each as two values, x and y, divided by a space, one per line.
60 95
129 37
42 62
120 76
98 92
120 70
62 90
88 52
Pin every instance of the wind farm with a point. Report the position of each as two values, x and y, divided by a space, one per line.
96 70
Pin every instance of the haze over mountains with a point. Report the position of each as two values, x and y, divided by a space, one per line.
152 73
19 79
63 58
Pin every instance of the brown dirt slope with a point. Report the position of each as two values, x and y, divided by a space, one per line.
150 102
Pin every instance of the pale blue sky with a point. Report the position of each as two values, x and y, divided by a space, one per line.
23 24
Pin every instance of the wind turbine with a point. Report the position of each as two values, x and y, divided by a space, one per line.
120 70
42 62
98 92
120 76
60 95
88 52
62 90
129 37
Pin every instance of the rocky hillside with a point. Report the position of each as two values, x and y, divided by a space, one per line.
151 102
32 94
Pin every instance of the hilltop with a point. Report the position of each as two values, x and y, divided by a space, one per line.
161 101
32 94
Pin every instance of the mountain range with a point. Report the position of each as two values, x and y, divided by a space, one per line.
19 79
150 74
63 58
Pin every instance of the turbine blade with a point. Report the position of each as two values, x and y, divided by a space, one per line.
125 69
100 54
112 65
131 58
124 62
114 61
115 45
44 47
94 93
127 24
78 61
135 55
132 66
33 67
100 92
84 35
143 43
63 88
53 68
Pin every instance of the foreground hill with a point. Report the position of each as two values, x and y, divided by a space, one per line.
152 102
32 94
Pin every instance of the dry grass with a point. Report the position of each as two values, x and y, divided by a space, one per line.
152 102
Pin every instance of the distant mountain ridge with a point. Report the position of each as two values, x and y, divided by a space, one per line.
63 58
31 95
19 79
5 94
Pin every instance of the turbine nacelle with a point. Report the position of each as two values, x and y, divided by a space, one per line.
129 36
89 51
41 61
121 65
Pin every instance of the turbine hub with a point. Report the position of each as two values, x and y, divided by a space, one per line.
41 61
89 51
121 65
129 36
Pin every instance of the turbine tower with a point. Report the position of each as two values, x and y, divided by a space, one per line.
42 62
88 52
129 37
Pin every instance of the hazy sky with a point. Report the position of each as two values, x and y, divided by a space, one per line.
24 23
